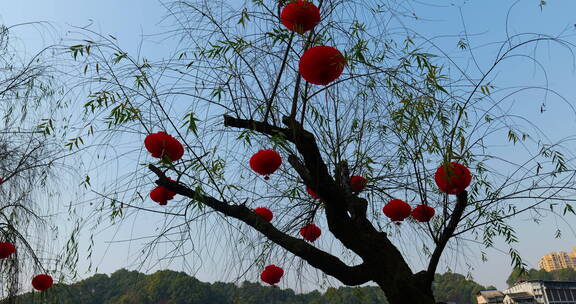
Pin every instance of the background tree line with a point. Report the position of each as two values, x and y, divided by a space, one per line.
567 274
168 286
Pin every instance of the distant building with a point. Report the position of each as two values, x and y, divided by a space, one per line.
519 298
531 292
541 292
558 260
490 296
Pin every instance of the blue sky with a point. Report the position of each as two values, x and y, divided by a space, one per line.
485 21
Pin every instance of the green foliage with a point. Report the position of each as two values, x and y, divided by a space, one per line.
132 287
453 287
567 274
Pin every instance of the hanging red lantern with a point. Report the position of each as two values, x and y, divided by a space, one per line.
321 64
397 210
311 193
423 213
265 162
300 16
161 195
6 249
357 183
42 282
265 213
272 274
310 232
452 178
1 181
162 145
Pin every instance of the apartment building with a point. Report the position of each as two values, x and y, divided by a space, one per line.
532 292
558 260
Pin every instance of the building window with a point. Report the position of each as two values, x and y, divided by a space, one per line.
562 295
555 295
549 295
569 296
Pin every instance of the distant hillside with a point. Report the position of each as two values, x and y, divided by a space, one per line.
567 274
171 287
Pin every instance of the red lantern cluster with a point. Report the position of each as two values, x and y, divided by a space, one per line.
161 195
6 249
163 145
397 210
310 232
300 16
272 274
42 282
265 213
357 183
423 213
265 162
321 64
311 193
452 178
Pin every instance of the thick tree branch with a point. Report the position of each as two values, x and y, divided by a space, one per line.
321 181
357 206
317 258
461 202
358 235
258 126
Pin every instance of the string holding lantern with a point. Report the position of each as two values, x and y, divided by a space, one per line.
272 274
300 16
265 162
42 282
164 146
397 210
357 183
452 178
265 213
6 249
423 213
310 232
311 192
321 65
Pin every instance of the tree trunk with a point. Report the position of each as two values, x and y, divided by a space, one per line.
407 292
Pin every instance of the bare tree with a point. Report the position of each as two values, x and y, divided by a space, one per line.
402 108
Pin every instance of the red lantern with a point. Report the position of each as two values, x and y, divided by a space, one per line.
310 232
311 193
423 213
6 249
397 210
300 16
161 145
265 162
265 213
272 274
1 181
452 178
357 183
321 64
42 282
161 195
